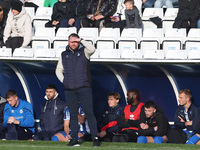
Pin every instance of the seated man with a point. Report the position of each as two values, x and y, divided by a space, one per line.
186 119
65 135
128 118
109 124
18 118
51 114
153 126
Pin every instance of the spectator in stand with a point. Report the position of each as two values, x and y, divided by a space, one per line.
3 19
61 11
128 118
188 14
186 120
34 3
98 12
161 3
18 29
133 19
51 114
154 126
49 3
77 13
108 124
118 20
148 3
2 128
66 134
18 118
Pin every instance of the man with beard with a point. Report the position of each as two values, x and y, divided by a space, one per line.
128 119
51 114
153 127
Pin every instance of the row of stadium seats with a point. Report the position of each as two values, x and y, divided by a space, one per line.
110 38
53 54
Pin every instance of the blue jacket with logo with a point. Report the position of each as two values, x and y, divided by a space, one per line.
23 113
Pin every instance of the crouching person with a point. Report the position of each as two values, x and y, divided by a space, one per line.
18 118
153 126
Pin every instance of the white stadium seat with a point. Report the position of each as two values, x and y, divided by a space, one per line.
5 52
151 39
23 52
130 38
43 38
89 34
108 38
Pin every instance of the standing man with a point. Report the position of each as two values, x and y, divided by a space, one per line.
18 118
153 127
128 119
73 71
51 114
186 119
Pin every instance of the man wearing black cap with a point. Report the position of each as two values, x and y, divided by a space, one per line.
18 30
51 114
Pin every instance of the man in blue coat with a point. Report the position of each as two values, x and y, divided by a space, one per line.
51 114
18 118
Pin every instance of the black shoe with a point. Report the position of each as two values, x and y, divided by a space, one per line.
73 143
96 142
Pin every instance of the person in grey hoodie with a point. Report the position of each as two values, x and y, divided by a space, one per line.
133 19
18 29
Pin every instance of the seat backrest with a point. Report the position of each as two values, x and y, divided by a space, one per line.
171 12
131 32
89 32
174 32
45 32
44 11
30 11
65 32
194 33
153 33
153 12
110 33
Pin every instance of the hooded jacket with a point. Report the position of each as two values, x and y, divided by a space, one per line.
19 26
52 115
159 119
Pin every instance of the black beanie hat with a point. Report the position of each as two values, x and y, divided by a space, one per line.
17 5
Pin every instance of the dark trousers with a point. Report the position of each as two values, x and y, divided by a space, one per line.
14 42
43 136
15 132
64 23
177 136
84 96
89 23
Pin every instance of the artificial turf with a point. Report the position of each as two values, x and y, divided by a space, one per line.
43 145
